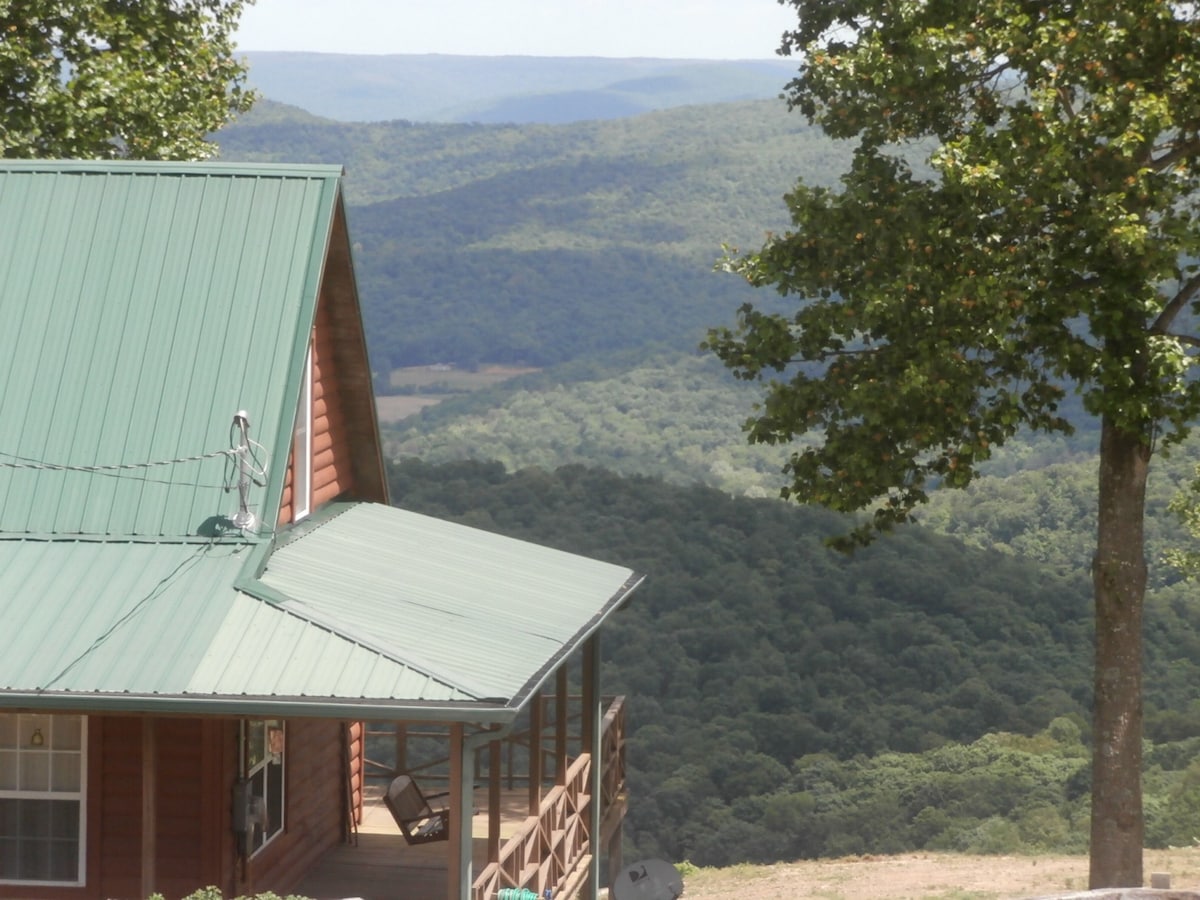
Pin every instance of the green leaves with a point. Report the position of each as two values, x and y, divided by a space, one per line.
112 79
1012 227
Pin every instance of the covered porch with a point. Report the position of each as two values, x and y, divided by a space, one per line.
532 818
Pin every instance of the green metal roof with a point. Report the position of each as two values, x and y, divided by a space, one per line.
105 625
486 614
371 610
143 304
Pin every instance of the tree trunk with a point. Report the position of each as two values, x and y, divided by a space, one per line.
1119 582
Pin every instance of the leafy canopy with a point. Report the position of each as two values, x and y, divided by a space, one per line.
1019 219
141 79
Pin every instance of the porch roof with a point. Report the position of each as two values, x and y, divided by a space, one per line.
366 612
487 616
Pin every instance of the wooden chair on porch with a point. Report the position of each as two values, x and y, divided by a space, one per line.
419 822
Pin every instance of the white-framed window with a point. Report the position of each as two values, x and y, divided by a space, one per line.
263 768
302 447
43 790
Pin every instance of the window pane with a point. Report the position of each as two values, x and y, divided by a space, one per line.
258 789
10 818
64 820
256 743
64 861
65 771
34 771
35 818
68 733
274 798
302 447
8 770
8 730
33 861
9 850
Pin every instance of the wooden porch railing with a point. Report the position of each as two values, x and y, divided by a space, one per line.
554 849
433 769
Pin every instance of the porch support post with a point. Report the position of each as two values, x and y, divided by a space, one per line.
401 748
458 880
149 804
614 853
535 754
593 715
560 725
494 774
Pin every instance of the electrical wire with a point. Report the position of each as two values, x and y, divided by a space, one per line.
157 590
25 462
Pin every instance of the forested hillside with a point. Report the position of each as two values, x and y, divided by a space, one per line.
763 670
538 244
679 418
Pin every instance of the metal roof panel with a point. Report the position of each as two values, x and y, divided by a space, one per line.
96 618
82 616
144 305
480 611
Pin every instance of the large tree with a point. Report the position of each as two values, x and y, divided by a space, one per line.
1019 220
140 79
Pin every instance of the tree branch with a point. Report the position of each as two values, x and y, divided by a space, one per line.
1189 339
1181 150
1066 101
1166 318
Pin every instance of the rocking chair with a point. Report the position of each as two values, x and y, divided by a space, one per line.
418 821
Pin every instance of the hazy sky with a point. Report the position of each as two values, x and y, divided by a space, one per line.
696 29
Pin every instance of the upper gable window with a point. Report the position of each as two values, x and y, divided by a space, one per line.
302 447
42 790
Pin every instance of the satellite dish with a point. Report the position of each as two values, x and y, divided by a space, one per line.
650 879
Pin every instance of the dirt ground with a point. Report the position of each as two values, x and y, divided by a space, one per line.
924 876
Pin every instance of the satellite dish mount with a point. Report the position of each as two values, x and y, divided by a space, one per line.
243 519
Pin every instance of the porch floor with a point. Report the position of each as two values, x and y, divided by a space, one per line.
381 866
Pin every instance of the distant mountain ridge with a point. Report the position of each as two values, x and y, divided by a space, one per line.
504 89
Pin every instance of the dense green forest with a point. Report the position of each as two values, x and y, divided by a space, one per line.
786 700
679 419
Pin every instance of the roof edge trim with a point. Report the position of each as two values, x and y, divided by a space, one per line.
296 707
165 167
615 602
